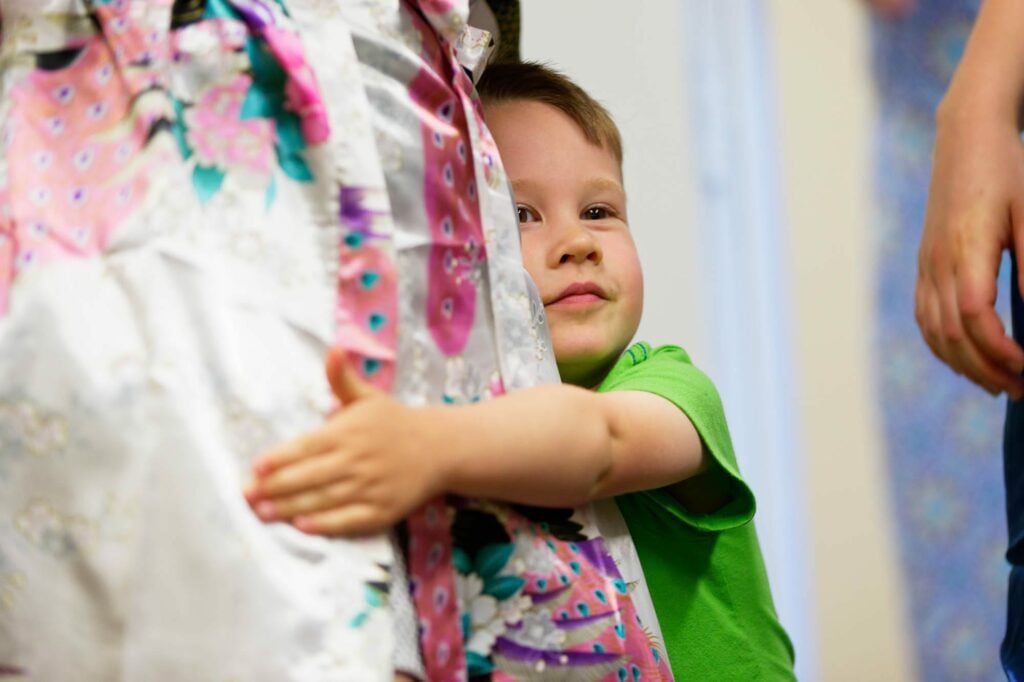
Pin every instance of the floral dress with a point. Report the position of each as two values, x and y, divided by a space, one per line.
197 198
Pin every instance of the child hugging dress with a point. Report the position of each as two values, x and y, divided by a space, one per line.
197 198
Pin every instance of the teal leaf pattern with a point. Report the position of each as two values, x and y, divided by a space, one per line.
207 181
503 587
492 559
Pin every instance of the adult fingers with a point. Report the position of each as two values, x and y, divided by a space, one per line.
977 283
1000 356
936 327
940 311
929 320
962 352
982 371
1017 216
989 356
956 348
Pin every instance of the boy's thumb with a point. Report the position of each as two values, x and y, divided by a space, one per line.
346 384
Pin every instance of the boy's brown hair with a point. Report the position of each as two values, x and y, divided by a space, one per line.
534 82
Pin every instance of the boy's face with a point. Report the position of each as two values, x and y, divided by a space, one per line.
575 236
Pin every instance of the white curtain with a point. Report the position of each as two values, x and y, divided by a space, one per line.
743 234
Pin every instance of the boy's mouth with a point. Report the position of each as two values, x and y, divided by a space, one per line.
579 293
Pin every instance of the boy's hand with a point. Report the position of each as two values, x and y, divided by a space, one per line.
975 211
364 470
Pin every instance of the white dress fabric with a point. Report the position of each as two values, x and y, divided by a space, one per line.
198 198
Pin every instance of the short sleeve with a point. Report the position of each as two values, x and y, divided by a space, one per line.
668 372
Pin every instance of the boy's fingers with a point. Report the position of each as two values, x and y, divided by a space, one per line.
306 502
345 380
302 476
308 445
349 521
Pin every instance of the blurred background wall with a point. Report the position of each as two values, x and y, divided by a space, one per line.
826 107
754 162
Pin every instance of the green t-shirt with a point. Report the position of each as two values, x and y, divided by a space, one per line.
705 572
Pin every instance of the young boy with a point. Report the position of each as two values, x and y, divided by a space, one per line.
633 422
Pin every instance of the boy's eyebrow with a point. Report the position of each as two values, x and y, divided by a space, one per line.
595 184
600 184
525 185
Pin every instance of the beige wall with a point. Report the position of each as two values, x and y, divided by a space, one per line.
630 58
825 109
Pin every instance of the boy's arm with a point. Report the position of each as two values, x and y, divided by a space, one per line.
377 460
562 445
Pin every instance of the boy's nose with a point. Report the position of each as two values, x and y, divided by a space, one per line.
579 246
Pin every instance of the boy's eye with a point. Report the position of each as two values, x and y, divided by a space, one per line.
596 213
525 215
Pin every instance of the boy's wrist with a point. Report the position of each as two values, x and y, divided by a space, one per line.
441 444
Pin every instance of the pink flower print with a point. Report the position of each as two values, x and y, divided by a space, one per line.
42 159
448 17
580 607
438 6
368 310
97 110
301 91
493 175
221 139
55 125
103 74
497 386
192 42
7 250
303 98
441 632
40 196
83 158
118 24
70 186
63 94
140 50
452 211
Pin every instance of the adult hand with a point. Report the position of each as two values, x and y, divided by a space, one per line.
364 470
975 211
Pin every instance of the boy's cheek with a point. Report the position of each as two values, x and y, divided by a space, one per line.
533 259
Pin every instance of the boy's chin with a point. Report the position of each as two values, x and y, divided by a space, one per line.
586 369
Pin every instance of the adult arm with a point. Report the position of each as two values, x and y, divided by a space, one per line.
976 204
